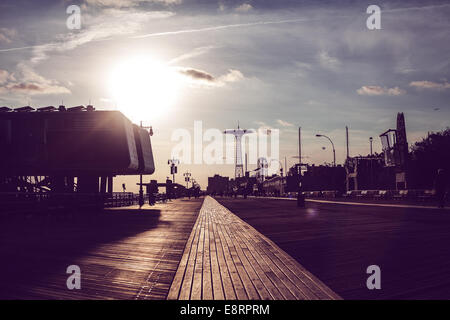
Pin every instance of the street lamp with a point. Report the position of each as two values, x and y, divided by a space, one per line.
371 141
173 167
187 178
141 190
332 144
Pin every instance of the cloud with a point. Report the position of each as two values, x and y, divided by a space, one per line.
264 127
194 53
284 123
4 76
302 68
328 62
380 91
231 76
205 78
197 74
127 3
245 7
33 89
430 85
30 83
112 22
6 35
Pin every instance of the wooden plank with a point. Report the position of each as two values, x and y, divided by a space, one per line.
207 289
271 250
274 283
277 260
218 293
185 291
240 267
229 259
261 291
196 292
227 284
135 256
181 269
236 280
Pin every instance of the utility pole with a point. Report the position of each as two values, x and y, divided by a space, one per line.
300 146
141 190
285 166
346 139
300 196
246 163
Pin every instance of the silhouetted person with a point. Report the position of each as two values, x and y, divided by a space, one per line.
440 186
300 196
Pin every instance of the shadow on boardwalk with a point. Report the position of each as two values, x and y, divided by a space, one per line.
34 248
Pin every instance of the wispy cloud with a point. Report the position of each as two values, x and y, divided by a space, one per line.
4 76
380 91
111 22
245 7
430 85
29 83
194 53
127 3
284 123
328 62
7 35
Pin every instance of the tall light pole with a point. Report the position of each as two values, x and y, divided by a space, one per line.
371 141
173 167
141 190
332 144
187 178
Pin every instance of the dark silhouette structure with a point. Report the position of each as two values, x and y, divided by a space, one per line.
440 187
75 151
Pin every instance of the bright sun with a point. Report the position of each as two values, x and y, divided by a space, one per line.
144 89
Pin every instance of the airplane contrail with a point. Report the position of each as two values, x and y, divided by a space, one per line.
226 26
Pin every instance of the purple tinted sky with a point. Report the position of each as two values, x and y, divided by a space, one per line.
315 65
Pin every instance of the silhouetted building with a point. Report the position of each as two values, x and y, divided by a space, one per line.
321 178
369 173
217 184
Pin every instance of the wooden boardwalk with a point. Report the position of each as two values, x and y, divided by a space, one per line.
225 258
124 253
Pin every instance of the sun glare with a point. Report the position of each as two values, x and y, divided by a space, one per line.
144 89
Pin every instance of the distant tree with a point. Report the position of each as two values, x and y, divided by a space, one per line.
429 155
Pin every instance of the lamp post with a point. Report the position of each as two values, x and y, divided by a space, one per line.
187 178
173 167
332 144
141 190
371 141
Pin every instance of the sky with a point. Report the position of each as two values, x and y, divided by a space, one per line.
267 64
